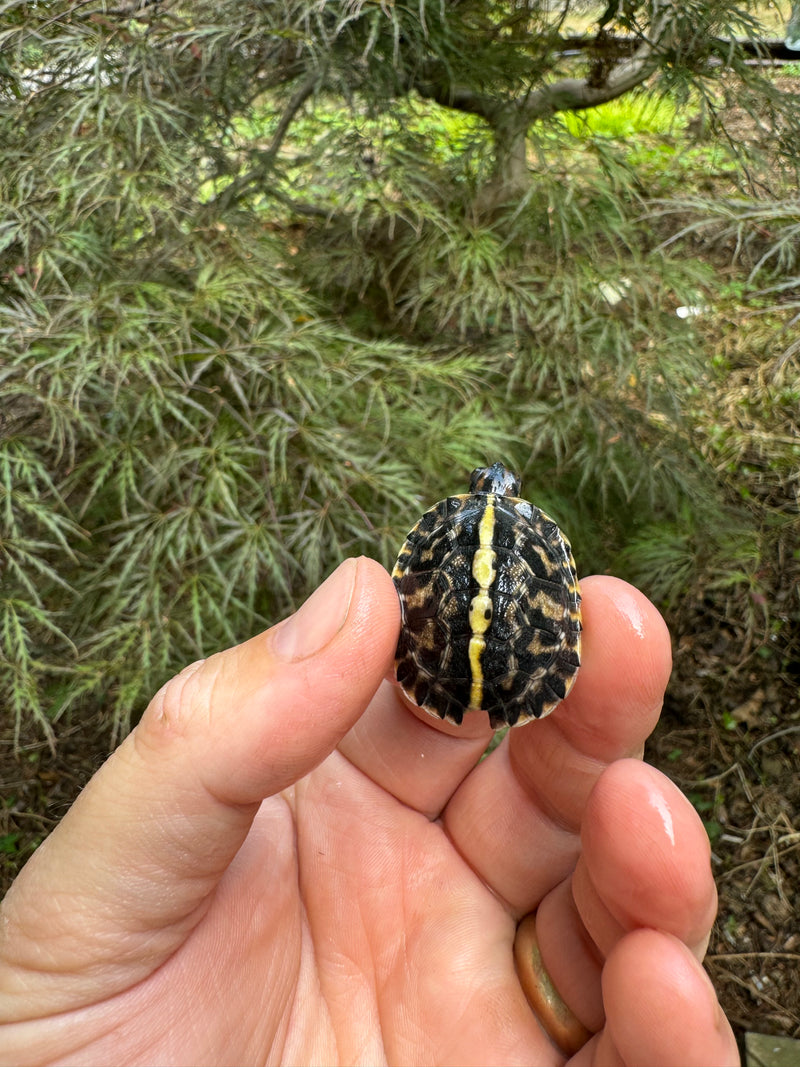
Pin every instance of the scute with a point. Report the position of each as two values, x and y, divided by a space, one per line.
491 605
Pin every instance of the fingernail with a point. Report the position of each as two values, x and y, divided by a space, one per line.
320 619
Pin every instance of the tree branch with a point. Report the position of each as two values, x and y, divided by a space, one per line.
567 94
264 159
573 94
434 86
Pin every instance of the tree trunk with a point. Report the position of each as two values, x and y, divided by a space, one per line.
511 176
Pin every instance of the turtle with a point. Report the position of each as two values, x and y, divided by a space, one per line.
491 606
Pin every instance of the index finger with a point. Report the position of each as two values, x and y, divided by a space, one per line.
516 817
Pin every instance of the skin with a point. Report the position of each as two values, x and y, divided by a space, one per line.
285 863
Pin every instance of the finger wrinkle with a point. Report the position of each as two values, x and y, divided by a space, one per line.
507 904
555 774
174 709
376 777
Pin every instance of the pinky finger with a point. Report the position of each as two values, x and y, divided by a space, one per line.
660 1009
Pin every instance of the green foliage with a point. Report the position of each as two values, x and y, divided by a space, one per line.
628 116
263 295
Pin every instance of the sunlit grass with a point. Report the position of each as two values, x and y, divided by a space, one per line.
636 113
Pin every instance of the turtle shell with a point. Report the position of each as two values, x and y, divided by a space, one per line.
490 603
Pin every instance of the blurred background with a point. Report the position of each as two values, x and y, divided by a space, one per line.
275 276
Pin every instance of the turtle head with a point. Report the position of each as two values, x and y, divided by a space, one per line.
495 479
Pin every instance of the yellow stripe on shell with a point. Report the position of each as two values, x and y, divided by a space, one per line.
484 570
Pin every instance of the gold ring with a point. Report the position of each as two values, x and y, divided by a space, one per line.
560 1023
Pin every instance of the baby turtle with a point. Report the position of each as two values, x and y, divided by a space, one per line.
491 606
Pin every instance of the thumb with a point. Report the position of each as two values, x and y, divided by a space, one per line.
252 720
123 880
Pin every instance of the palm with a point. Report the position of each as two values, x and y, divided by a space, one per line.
359 908
404 933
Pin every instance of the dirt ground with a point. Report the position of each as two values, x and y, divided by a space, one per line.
731 740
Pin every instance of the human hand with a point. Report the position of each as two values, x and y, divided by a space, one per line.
366 910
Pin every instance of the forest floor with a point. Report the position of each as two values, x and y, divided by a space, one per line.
731 740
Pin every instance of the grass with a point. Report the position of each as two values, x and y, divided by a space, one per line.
642 113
